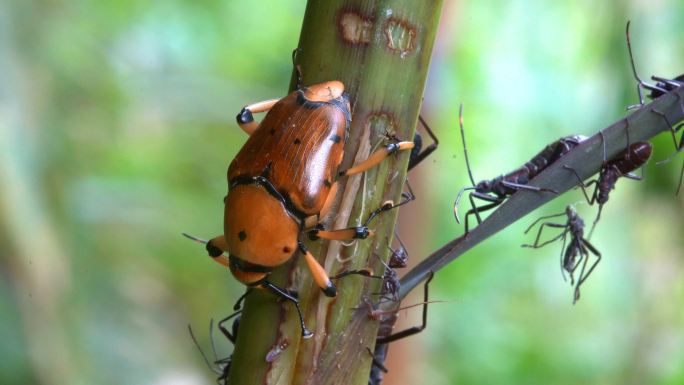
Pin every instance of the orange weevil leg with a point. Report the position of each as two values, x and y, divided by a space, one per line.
347 234
215 247
245 119
329 201
318 273
377 157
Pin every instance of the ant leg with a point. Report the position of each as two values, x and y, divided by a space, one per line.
542 218
413 330
598 216
231 336
377 157
562 260
632 176
673 130
282 293
536 244
519 186
245 119
584 186
406 197
583 277
419 156
681 174
477 210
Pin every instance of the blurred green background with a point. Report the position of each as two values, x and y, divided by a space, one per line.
117 126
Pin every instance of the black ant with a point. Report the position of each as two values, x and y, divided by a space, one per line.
622 164
385 336
498 189
661 87
577 251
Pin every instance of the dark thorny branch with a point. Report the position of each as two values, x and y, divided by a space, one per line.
587 159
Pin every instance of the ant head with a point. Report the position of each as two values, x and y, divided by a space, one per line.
570 211
484 186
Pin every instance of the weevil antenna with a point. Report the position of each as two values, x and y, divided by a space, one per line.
465 150
631 60
194 238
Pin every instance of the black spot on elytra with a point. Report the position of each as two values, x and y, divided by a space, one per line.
327 183
287 250
242 235
297 141
335 138
272 131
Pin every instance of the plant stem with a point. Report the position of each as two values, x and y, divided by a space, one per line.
380 50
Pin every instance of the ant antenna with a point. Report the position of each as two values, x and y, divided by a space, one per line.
298 69
204 356
470 174
465 150
634 71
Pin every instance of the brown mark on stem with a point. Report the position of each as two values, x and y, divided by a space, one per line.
381 124
355 28
401 36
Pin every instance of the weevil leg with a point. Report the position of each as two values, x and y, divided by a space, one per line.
418 156
377 157
348 234
215 247
412 330
285 294
245 119
360 232
318 273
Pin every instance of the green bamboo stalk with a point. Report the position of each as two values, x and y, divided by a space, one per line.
380 50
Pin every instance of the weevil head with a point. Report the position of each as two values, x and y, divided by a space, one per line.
259 232
324 92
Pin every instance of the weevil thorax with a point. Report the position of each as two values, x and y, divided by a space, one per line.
258 230
324 92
